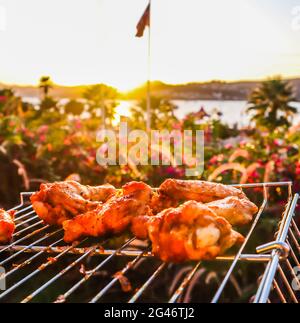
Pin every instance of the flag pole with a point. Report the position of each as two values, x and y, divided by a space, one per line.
149 74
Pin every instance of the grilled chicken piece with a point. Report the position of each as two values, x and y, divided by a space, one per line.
161 201
189 232
114 216
139 226
7 225
60 201
173 192
236 211
199 191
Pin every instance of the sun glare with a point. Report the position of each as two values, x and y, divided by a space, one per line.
122 110
218 40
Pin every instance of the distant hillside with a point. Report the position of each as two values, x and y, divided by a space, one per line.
58 91
204 91
216 90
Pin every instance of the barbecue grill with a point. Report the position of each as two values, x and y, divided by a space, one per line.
40 267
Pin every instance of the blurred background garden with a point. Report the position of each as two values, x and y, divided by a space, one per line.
69 68
54 139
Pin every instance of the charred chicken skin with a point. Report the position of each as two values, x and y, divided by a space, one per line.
7 225
112 217
189 232
173 192
60 201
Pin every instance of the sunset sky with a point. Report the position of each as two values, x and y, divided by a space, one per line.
92 41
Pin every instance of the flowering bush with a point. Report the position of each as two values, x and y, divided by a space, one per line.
39 145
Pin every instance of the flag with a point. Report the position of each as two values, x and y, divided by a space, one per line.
144 22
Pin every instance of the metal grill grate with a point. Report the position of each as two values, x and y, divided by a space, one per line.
39 266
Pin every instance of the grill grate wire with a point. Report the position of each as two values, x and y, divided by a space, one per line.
34 240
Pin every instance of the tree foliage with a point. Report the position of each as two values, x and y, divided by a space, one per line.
101 100
74 107
45 85
162 114
271 106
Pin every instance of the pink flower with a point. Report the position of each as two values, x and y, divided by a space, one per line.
177 126
214 160
78 124
278 142
42 138
217 159
171 170
255 174
260 162
43 129
243 143
174 172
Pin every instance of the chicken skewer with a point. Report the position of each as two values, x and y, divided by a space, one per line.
189 232
60 201
114 216
7 225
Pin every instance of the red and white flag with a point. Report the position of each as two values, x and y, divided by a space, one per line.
144 22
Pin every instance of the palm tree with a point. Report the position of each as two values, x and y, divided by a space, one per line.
271 104
45 85
103 97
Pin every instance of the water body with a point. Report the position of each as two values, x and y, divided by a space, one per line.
233 112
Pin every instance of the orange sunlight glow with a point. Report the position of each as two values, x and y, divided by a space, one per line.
198 41
123 109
